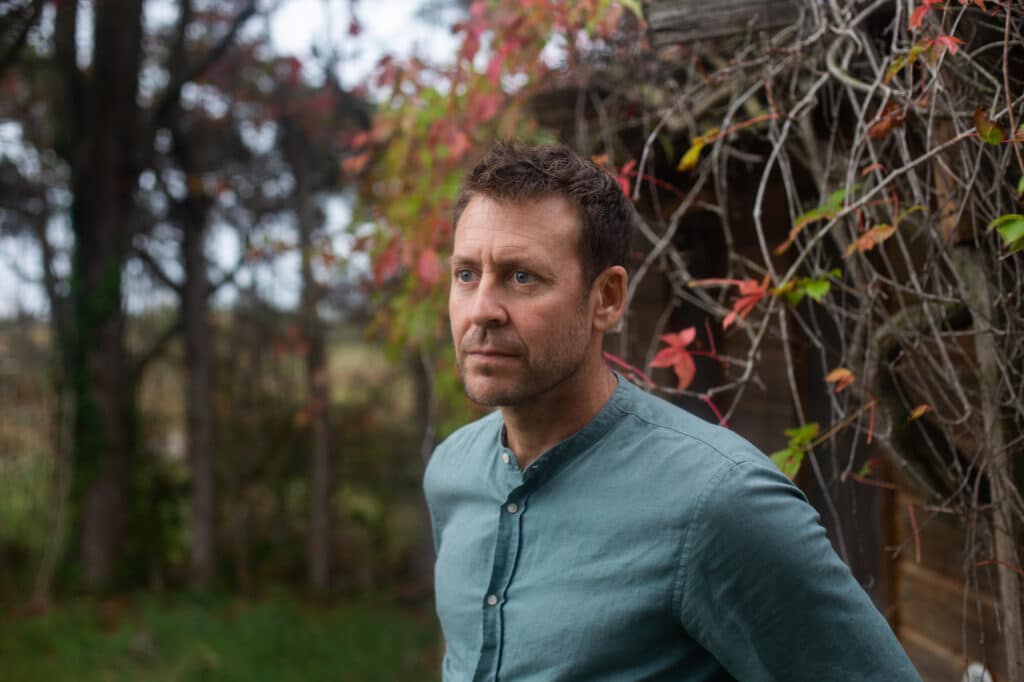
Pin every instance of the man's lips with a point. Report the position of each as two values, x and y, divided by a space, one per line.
489 353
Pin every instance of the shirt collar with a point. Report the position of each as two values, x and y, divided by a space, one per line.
565 451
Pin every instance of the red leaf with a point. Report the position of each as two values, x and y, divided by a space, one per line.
680 339
666 357
624 183
494 68
891 116
428 267
387 263
361 139
751 291
870 239
622 177
677 357
951 43
355 164
460 144
685 369
918 16
483 108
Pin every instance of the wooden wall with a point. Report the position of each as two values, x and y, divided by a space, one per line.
943 624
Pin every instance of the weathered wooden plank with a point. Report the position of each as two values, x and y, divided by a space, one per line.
933 606
940 540
942 543
682 21
933 662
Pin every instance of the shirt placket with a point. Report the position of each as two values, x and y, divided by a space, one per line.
506 550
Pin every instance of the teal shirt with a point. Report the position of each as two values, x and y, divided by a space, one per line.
650 546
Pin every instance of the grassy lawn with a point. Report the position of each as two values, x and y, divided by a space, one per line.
149 638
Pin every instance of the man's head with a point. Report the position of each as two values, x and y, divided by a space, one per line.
538 272
515 173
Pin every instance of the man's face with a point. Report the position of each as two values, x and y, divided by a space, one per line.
520 318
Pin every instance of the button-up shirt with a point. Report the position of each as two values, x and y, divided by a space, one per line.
650 545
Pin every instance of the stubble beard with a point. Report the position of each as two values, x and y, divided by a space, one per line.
542 373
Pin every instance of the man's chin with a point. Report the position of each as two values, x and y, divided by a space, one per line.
491 392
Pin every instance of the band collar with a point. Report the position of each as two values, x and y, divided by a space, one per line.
565 451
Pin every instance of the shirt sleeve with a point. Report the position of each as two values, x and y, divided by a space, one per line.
761 588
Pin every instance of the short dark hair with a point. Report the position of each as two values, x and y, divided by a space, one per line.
511 172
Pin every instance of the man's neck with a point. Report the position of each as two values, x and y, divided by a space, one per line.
560 412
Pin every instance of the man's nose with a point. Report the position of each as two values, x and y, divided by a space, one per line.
488 306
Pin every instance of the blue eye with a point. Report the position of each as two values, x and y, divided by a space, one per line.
464 275
522 277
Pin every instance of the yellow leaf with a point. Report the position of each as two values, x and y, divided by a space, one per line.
870 239
841 377
918 411
692 155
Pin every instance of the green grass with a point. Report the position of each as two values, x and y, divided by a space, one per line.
149 638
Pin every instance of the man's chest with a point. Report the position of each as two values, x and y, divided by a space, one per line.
558 584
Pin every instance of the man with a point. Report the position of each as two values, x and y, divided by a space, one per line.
590 531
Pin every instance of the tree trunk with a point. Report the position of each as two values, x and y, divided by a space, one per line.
88 121
198 402
100 147
321 470
53 546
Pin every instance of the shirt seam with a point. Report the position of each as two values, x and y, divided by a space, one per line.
678 591
724 455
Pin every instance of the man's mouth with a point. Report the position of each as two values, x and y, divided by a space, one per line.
491 353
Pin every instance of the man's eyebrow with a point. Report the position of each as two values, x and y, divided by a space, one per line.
509 263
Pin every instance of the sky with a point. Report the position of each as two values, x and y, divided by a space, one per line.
297 27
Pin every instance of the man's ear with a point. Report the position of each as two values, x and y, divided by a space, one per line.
609 292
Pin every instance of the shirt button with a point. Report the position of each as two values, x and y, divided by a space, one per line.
505 458
512 508
492 599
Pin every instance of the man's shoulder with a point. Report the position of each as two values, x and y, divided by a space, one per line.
466 438
671 425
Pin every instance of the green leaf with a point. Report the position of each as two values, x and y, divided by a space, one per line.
818 288
826 211
1011 229
894 68
1020 186
989 131
836 199
803 435
916 208
788 461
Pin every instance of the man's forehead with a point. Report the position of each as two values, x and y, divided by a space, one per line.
551 214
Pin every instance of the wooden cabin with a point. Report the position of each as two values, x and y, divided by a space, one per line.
910 559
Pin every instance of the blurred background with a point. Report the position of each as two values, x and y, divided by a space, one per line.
224 356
